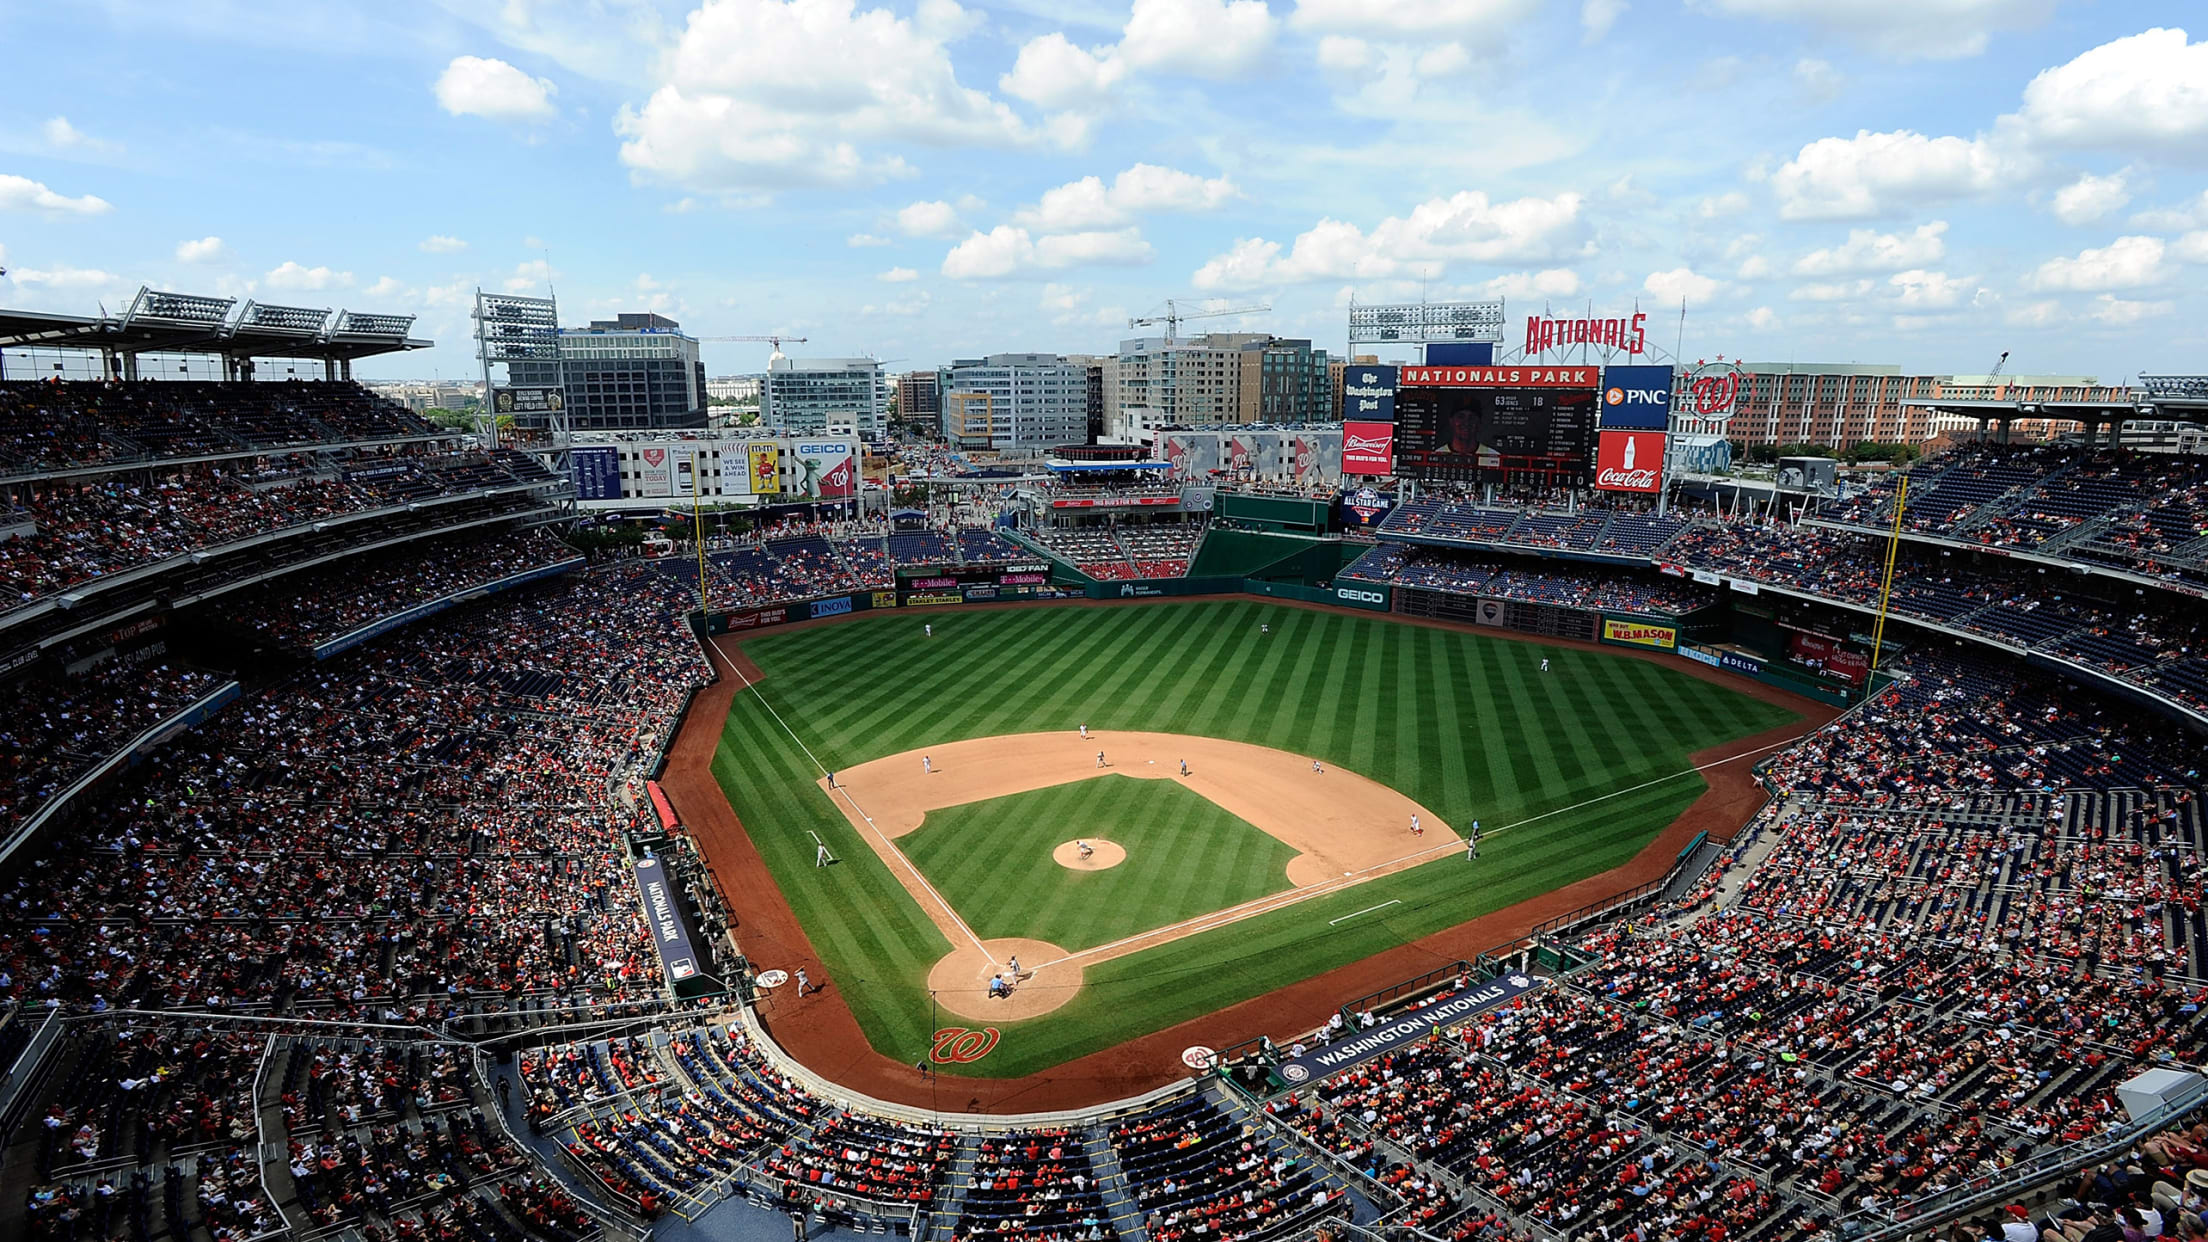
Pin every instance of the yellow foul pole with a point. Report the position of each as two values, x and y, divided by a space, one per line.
697 523
1886 588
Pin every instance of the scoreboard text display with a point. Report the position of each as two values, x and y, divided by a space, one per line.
1477 434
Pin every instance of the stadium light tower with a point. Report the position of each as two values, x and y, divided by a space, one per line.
511 330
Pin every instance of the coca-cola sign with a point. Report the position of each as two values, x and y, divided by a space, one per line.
1629 461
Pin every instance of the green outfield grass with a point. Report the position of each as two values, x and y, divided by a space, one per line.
1185 856
1464 723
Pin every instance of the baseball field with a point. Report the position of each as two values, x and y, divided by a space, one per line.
1239 817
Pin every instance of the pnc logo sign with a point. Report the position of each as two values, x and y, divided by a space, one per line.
1637 396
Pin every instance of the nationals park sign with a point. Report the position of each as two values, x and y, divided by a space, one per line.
1404 1031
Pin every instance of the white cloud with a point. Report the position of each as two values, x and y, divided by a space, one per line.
2036 314
2193 247
1053 72
441 243
1344 53
1730 203
531 274
489 87
898 275
865 239
2089 198
1090 204
1597 16
1201 38
2147 92
2117 313
1869 251
1923 290
1413 19
1762 319
2126 263
24 194
1908 29
1874 174
204 250
62 136
1464 226
64 277
385 287
1833 291
2189 215
760 94
293 275
1818 79
1681 284
1555 282
1008 250
1754 267
934 218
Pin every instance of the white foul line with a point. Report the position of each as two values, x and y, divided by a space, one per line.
869 820
1396 901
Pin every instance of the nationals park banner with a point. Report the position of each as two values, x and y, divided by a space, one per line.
1402 1032
676 953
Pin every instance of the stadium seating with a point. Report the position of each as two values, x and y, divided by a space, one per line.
1470 573
303 610
47 425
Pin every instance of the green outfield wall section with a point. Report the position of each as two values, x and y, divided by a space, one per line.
1283 513
1347 593
1275 558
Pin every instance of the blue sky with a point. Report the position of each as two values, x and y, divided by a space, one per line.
1924 182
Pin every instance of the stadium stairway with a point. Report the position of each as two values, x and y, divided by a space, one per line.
950 1201
1120 1207
1281 1139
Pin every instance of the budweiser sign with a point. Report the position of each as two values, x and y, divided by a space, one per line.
1629 334
1500 377
1367 448
1630 461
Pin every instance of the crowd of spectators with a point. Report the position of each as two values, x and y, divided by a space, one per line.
434 817
1585 527
90 528
299 611
55 424
1573 586
1109 554
59 726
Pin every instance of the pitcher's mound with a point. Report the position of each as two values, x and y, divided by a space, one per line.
961 980
1103 854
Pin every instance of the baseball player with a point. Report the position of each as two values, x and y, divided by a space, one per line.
1472 849
1316 768
928 629
802 982
1184 767
1084 731
1100 758
820 854
1416 831
927 764
1084 849
1544 664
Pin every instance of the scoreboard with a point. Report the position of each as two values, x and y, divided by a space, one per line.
1488 434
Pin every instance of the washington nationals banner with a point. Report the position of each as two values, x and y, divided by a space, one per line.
1404 1031
661 910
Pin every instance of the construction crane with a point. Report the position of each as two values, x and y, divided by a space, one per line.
776 340
1172 317
1998 363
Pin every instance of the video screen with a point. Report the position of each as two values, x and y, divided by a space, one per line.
1471 434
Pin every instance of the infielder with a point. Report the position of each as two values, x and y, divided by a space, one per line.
1100 758
1316 768
927 764
820 854
1416 831
1084 732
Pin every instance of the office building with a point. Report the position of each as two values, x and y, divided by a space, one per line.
1285 381
631 372
826 396
1093 367
733 388
919 399
1841 404
1031 401
1214 379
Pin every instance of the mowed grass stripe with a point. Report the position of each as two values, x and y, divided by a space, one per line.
1463 736
1185 856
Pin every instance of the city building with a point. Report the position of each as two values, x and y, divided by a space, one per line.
631 372
1213 379
919 398
826 396
733 387
1033 402
1841 404
1093 367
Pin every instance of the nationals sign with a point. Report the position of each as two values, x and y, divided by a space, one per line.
1368 448
1499 377
1629 334
1714 390
1629 461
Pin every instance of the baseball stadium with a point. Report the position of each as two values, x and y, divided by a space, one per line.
1486 819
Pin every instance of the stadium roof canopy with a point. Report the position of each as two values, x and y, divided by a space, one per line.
2090 412
183 323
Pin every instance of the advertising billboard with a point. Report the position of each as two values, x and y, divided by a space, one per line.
527 400
1636 398
1369 448
1625 334
1509 376
1418 322
765 464
1630 461
597 472
1639 634
655 471
688 460
830 471
1460 354
1368 393
1470 434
